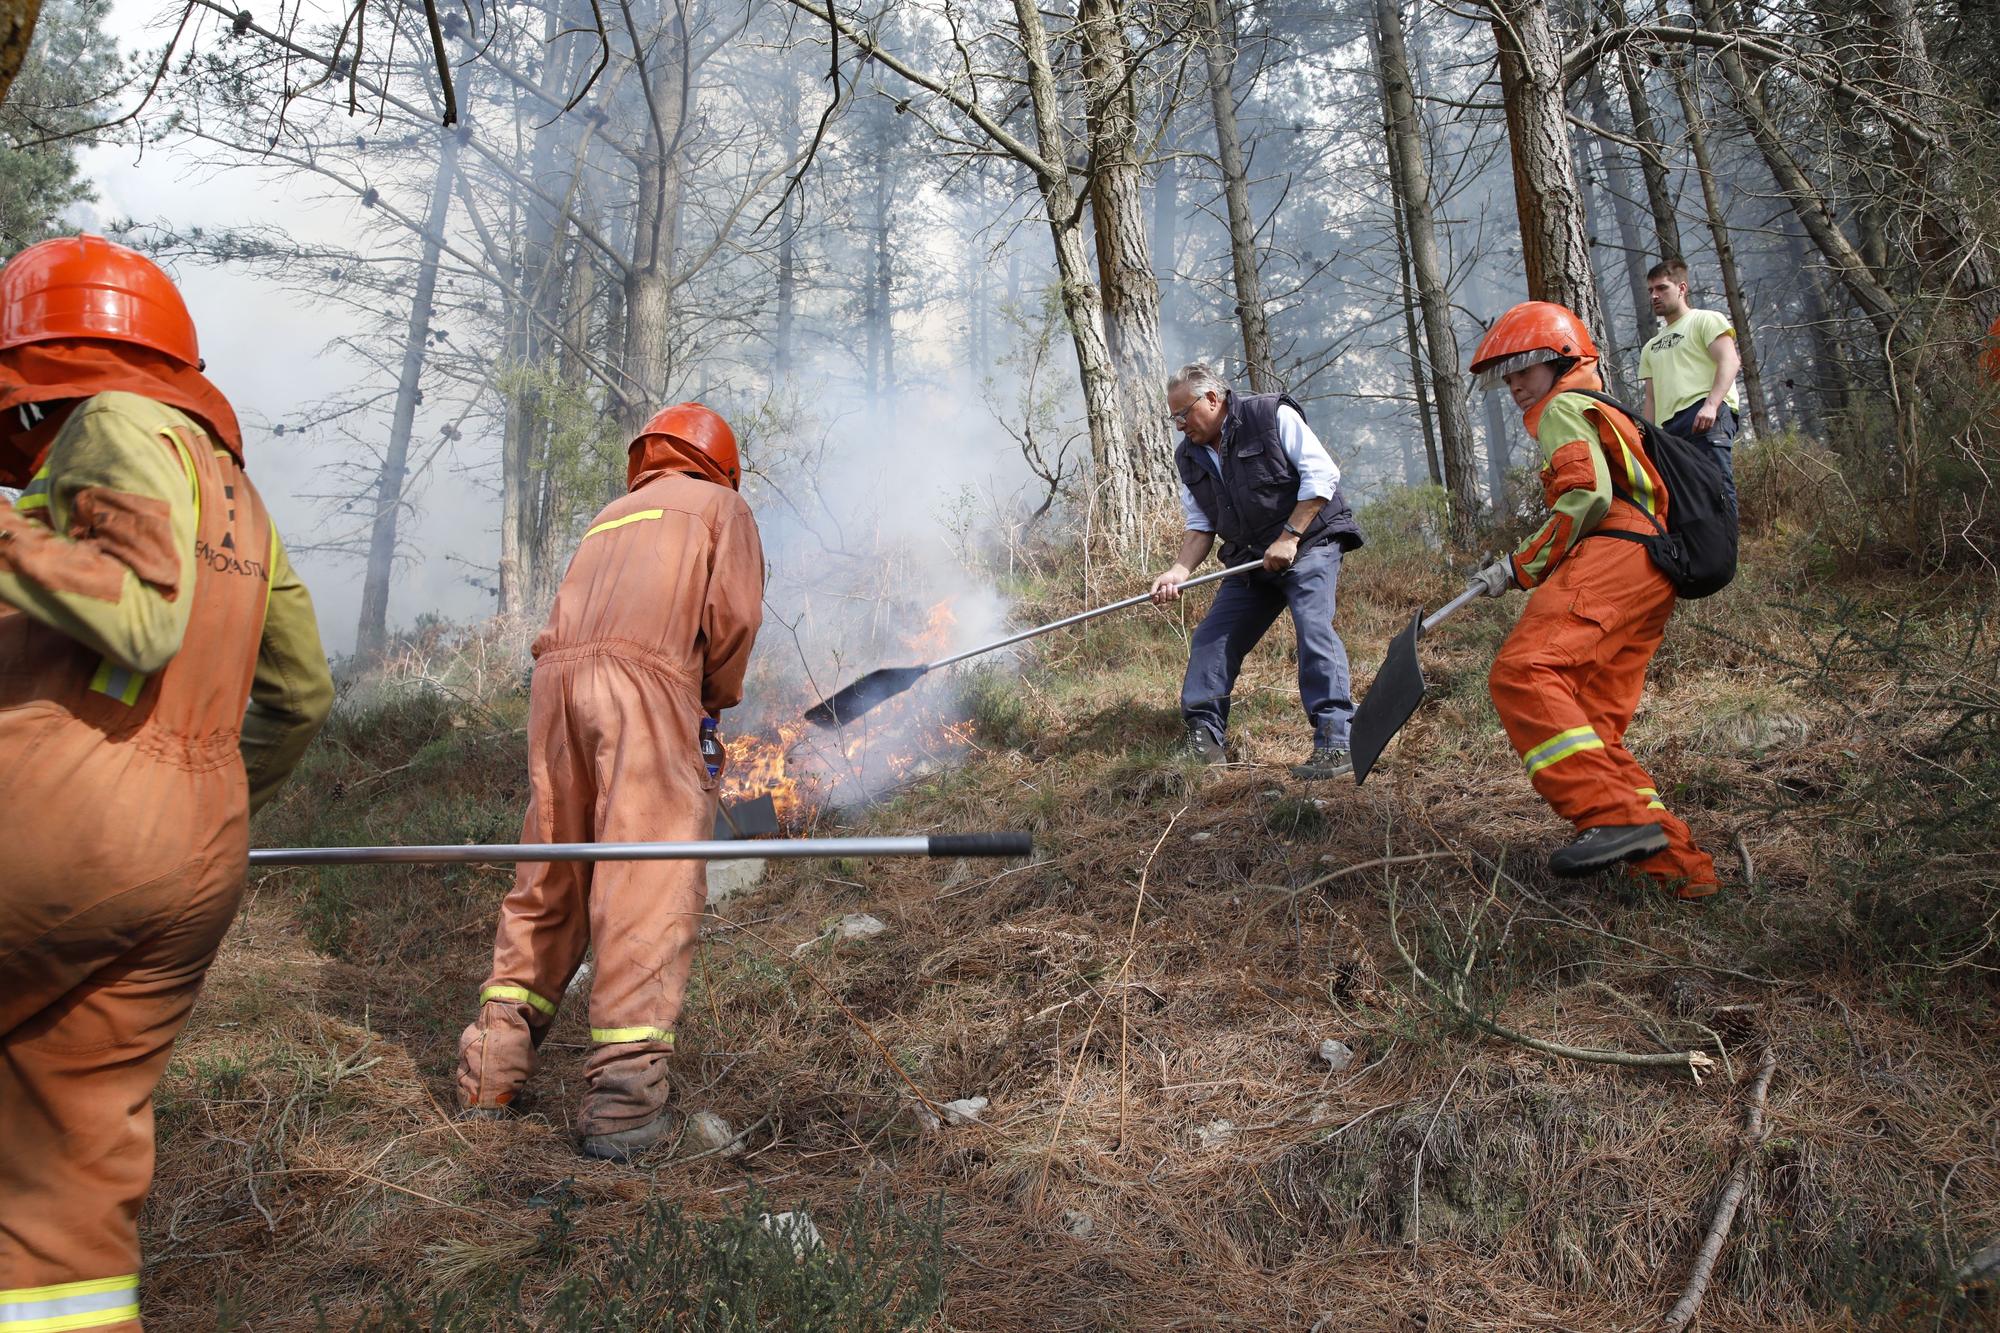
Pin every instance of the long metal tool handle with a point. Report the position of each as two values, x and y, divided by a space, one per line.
1474 591
942 844
1082 616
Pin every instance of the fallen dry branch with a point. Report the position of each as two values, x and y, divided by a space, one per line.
1683 1312
1695 1062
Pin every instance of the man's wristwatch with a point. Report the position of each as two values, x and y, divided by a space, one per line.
1294 531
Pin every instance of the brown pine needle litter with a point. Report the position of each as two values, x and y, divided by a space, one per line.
1195 1163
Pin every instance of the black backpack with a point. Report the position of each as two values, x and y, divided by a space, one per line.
1696 549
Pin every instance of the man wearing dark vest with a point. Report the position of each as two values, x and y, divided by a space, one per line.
1253 472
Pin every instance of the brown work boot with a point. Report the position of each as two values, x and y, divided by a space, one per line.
496 1054
622 1145
625 1098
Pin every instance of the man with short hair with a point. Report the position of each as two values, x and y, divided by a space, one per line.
1254 473
1690 368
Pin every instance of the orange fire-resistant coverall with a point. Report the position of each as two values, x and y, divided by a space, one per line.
145 601
1567 680
651 629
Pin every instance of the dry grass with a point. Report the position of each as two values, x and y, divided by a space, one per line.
1171 960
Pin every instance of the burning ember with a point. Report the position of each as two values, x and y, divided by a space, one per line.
805 769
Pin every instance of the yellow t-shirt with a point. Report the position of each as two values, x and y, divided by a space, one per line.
1678 363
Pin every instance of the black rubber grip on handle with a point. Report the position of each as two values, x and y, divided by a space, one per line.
982 844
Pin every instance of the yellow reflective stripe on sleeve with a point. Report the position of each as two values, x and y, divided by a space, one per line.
639 517
92 1304
1559 747
121 683
519 995
611 1036
36 496
1652 795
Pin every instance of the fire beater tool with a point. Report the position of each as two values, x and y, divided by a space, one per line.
1397 690
937 844
886 683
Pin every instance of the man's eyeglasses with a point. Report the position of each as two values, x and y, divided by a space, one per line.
1180 418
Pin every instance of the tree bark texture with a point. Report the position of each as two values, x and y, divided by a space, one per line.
371 635
1725 255
1411 181
1220 49
526 424
1617 191
1499 455
17 34
1646 131
647 359
1129 286
1412 340
1555 250
1166 244
1112 447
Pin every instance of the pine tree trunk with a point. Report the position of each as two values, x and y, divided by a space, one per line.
1166 243
790 217
1220 49
647 359
1652 164
1113 448
1555 250
371 635
1725 256
1616 189
17 35
1413 342
1411 182
1128 287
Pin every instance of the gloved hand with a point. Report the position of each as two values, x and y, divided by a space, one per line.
1495 579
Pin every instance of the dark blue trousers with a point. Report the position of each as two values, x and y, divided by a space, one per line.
1244 608
1720 439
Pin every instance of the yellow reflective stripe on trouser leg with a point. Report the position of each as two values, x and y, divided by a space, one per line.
1560 747
639 517
518 995
1652 795
96 1303
121 683
612 1036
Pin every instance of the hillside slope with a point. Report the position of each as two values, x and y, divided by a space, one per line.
1144 1005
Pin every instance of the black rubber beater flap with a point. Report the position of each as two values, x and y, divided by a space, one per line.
1397 690
873 688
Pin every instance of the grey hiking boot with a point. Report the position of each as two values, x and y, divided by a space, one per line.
1326 761
1606 845
623 1145
1200 743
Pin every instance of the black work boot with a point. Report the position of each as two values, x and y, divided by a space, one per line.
1201 743
1606 845
1326 761
623 1145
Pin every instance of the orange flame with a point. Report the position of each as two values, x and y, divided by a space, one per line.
802 768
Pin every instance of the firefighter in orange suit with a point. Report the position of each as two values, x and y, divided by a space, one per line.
160 675
650 634
1567 680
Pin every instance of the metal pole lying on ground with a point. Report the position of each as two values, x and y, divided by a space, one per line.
940 844
879 686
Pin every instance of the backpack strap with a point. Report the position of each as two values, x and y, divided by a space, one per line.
1616 489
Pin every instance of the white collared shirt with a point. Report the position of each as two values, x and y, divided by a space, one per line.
1319 475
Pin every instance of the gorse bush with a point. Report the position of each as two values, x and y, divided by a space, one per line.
741 1273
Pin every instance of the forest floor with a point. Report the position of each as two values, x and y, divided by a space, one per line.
1144 1004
